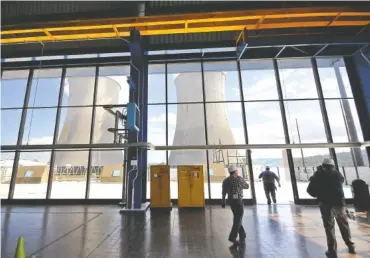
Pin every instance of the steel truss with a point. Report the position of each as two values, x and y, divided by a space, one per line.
188 23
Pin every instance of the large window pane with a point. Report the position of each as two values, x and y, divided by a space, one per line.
330 80
184 83
297 80
40 125
112 85
264 123
188 131
13 88
79 86
45 88
221 81
343 119
107 173
74 126
305 122
157 124
159 158
32 175
6 166
156 83
70 170
10 121
277 160
219 161
259 82
186 124
225 123
104 120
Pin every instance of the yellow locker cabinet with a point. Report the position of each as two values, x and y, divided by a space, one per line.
191 186
160 187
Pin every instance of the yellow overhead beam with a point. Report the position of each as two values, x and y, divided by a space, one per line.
188 23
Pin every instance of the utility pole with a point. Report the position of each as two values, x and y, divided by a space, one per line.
299 139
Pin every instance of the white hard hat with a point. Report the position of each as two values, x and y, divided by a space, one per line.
328 161
232 168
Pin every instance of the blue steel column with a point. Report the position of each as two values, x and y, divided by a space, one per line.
358 70
134 192
144 125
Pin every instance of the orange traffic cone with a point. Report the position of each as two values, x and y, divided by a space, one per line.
19 252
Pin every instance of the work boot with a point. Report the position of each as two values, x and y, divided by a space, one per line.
351 249
331 254
242 239
234 242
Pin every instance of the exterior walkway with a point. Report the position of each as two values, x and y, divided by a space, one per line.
100 231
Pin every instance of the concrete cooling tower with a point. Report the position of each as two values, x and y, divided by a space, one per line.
76 127
190 120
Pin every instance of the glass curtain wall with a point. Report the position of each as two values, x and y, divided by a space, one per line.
198 103
223 101
345 126
57 108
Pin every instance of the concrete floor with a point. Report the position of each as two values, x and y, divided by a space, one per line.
100 231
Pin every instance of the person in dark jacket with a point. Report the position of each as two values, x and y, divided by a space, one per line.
233 186
268 178
327 185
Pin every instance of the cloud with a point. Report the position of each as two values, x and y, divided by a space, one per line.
256 89
66 87
162 118
41 140
155 130
233 107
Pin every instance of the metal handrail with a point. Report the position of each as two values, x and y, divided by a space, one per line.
149 146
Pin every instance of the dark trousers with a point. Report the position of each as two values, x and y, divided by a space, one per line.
270 190
328 212
238 210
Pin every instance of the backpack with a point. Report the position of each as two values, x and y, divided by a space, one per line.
313 188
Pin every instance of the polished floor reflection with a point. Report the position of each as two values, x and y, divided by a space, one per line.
100 231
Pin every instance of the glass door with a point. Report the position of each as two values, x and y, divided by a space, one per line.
276 161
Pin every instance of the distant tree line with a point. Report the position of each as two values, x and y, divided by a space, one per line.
344 160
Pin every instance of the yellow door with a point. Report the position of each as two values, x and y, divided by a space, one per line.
183 186
160 186
191 186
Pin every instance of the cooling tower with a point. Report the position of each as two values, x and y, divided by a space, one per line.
190 120
76 127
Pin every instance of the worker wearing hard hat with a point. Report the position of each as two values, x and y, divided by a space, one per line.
233 186
268 178
326 185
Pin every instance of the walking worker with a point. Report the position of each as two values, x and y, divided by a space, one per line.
268 178
233 186
327 186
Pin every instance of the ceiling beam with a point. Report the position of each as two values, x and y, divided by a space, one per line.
189 23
